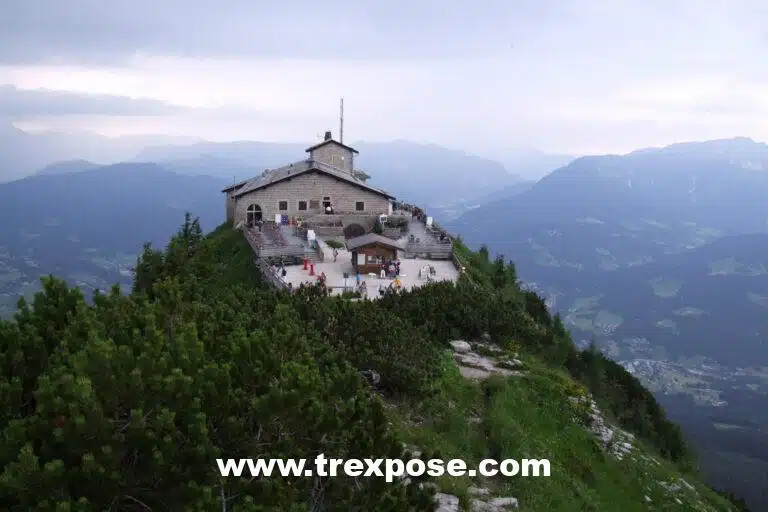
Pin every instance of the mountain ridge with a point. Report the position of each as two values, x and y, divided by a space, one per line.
659 256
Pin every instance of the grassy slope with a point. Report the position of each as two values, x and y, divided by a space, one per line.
530 417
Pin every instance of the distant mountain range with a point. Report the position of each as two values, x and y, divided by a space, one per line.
425 174
23 153
447 181
530 164
89 226
661 257
67 167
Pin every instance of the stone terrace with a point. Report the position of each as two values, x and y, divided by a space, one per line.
419 241
334 272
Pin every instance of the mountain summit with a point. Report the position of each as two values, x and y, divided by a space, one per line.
741 146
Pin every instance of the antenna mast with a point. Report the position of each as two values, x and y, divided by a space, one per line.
341 121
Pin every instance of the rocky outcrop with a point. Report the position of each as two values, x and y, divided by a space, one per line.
474 366
449 503
494 505
614 440
446 503
460 346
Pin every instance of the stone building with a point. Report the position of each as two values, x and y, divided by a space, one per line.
325 182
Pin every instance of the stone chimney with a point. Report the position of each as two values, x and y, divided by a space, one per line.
328 135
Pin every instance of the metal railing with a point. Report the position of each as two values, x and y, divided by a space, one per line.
268 273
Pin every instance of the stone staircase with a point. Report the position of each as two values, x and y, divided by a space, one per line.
425 243
274 242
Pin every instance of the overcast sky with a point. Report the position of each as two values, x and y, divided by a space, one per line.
577 76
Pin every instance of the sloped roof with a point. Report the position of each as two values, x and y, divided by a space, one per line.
331 141
304 166
371 238
235 185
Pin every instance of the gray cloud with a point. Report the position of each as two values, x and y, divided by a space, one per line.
636 36
641 36
557 73
18 103
99 32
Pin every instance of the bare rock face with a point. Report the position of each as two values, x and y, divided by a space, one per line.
475 361
473 373
477 367
494 505
612 439
461 346
446 503
450 503
488 348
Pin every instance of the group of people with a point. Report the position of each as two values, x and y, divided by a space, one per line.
390 268
362 287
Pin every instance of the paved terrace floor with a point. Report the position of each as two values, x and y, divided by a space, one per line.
334 272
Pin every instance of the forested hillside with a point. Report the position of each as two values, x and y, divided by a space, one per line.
125 403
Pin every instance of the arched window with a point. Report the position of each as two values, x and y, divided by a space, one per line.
253 214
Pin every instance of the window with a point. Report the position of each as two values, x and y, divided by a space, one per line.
302 206
360 206
253 213
314 204
282 206
326 202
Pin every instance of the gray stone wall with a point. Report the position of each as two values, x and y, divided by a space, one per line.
310 187
335 155
393 233
230 207
329 231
